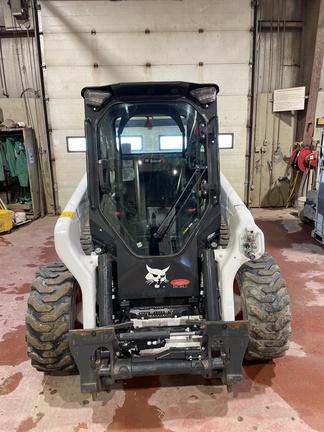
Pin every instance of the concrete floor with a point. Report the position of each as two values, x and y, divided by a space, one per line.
284 395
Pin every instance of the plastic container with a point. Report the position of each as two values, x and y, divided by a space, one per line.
20 217
5 220
300 204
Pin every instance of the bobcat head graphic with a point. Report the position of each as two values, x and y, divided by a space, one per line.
156 276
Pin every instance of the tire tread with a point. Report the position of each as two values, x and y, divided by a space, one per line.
49 318
265 303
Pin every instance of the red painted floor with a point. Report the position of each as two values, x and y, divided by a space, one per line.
284 395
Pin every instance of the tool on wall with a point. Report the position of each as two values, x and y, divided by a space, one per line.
303 159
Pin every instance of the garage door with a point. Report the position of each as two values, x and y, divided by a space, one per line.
101 42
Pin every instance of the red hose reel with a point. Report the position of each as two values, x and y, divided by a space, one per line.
303 159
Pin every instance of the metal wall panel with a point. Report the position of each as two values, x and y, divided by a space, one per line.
278 62
101 42
67 82
156 15
18 60
122 50
279 59
274 138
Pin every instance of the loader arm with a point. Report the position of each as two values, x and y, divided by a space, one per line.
246 242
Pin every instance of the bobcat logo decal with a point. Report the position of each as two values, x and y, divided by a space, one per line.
156 276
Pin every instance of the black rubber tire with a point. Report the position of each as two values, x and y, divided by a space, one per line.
265 304
50 316
86 240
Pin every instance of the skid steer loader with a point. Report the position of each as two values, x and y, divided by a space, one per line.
176 280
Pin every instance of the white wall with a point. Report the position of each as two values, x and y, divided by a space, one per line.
120 47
